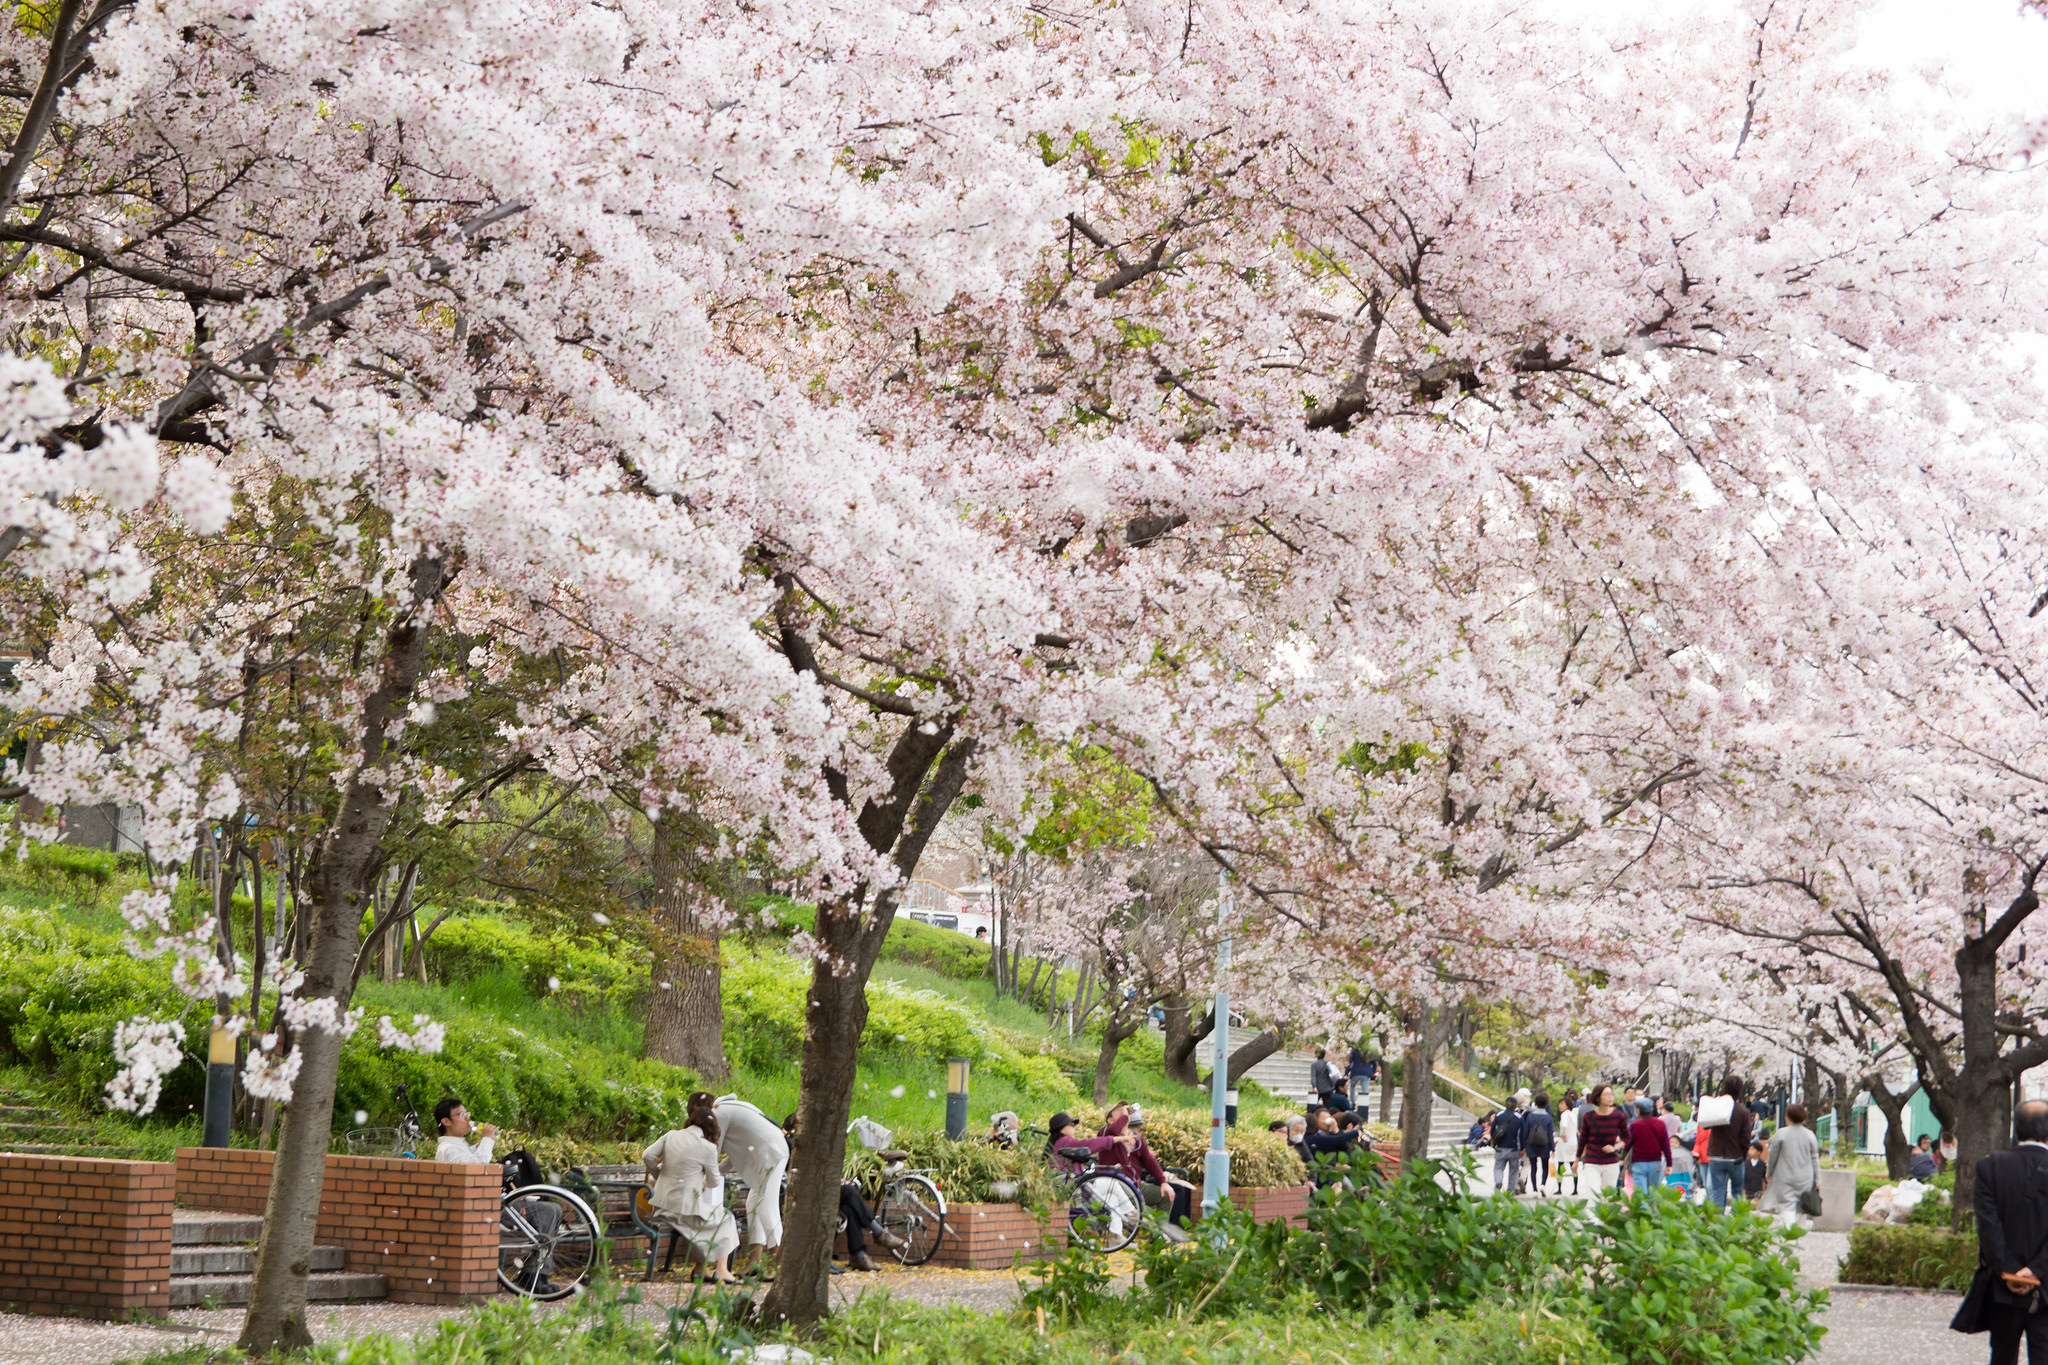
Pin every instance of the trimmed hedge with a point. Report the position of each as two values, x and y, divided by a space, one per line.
1910 1254
955 956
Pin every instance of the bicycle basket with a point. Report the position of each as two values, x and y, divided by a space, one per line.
372 1141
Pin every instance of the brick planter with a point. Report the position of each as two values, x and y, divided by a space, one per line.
1267 1203
1389 1154
85 1237
989 1237
429 1227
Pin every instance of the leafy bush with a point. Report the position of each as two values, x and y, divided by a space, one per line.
1683 1284
1657 1279
62 990
945 951
477 945
765 990
1909 1254
514 1078
966 1171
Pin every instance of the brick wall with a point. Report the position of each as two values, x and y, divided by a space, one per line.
85 1237
429 1227
1266 1203
989 1237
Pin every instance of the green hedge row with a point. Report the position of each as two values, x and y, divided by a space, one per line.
1911 1254
956 956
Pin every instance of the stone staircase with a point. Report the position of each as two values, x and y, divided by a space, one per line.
30 1129
213 1256
1286 1073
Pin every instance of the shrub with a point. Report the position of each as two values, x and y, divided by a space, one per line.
612 976
965 1171
62 991
764 993
1681 1284
1909 1254
954 955
1656 1279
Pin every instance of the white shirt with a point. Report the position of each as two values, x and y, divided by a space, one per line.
455 1149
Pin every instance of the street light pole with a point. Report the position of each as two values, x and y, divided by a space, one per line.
1216 1165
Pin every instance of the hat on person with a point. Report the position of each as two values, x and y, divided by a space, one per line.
1523 1095
1137 1118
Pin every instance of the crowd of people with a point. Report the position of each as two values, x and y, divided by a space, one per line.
1638 1142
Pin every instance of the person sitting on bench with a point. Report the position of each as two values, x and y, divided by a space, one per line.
689 1194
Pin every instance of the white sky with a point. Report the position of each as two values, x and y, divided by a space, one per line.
1995 58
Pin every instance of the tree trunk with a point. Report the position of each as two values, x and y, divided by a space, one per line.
1183 1037
685 1023
1418 1093
1248 1056
344 867
1114 1032
1898 1146
1386 1082
898 823
1845 1113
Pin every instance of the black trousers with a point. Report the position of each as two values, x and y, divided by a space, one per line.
1177 1200
2010 1322
1539 1167
859 1218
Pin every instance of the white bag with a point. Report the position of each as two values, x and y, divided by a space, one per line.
1716 1111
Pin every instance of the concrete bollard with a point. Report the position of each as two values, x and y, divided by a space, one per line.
1838 1202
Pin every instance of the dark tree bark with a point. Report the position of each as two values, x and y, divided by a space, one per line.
897 823
345 864
1897 1147
1183 1038
1418 1096
1250 1055
685 1023
1115 1030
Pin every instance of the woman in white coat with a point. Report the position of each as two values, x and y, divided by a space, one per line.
689 1193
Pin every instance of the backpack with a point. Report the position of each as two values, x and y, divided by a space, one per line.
1507 1129
1537 1132
522 1170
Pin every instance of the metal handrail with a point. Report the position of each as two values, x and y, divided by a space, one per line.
1453 1080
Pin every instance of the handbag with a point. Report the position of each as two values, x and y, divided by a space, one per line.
1974 1315
1717 1111
1809 1202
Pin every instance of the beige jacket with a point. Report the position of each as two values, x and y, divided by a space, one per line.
687 1184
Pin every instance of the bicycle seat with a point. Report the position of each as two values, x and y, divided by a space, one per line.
894 1154
1081 1154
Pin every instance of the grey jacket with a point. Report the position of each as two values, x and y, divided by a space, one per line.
1793 1168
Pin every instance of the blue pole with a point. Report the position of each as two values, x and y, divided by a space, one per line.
1216 1165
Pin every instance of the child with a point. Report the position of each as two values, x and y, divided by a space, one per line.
1753 1173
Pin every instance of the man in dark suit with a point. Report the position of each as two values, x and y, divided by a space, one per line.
2011 1204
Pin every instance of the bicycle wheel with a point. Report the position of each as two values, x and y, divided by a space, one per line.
1103 1212
547 1242
914 1210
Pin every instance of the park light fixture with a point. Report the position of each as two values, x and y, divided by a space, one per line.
956 1097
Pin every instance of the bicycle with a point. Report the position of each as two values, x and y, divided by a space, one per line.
912 1207
1105 1207
403 1141
547 1241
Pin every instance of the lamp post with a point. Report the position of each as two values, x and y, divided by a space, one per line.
1216 1165
956 1097
220 1089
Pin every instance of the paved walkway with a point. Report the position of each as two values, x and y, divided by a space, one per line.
1862 1326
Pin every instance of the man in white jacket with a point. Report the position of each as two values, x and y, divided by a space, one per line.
756 1152
546 1220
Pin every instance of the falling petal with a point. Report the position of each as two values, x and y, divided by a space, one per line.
362 1117
600 920
931 1094
896 1092
665 986
554 983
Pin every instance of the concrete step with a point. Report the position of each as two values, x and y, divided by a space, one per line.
85 1149
43 1132
206 1227
27 1113
195 1291
218 1259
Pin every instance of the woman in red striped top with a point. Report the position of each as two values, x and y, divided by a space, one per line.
1603 1136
